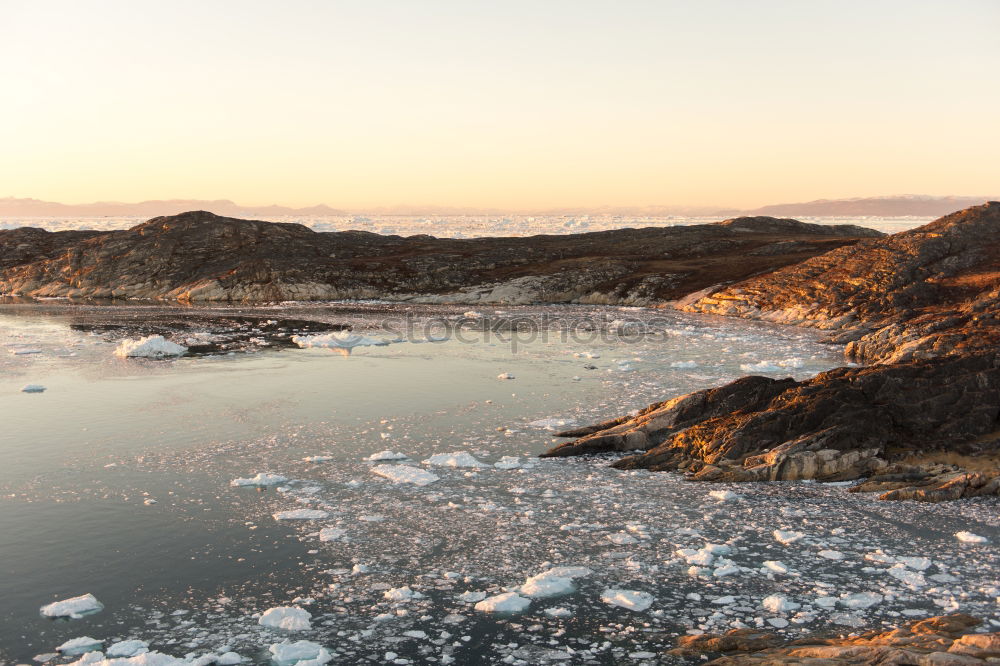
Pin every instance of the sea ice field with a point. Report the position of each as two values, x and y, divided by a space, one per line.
359 483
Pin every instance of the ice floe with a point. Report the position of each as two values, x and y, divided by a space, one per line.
969 537
508 602
261 479
286 618
405 474
386 455
630 599
75 607
456 459
129 648
152 346
301 514
341 341
787 537
299 653
81 645
33 388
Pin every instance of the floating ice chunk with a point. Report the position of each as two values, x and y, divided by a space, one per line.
570 572
722 601
128 648
340 341
25 352
559 612
779 604
786 538
508 602
547 584
916 563
508 462
331 534
401 594
76 607
505 375
777 622
684 364
80 645
229 659
793 362
912 579
775 566
261 479
455 459
880 557
32 388
724 495
405 474
969 537
471 597
552 424
386 455
860 600
630 599
287 618
152 346
299 653
831 554
317 459
726 568
301 514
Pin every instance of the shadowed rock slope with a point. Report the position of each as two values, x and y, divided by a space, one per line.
199 256
922 423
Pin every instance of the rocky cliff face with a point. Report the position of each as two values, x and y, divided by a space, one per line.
199 256
28 244
918 294
922 423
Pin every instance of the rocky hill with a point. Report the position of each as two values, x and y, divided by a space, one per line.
922 423
199 256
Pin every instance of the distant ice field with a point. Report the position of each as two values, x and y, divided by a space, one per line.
387 506
471 226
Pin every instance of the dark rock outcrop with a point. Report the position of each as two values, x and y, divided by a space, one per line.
27 244
946 640
923 423
199 256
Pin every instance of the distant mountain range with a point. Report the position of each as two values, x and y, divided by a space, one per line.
890 206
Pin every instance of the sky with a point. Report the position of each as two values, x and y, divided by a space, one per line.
524 105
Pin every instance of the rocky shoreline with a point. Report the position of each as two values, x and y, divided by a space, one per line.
921 423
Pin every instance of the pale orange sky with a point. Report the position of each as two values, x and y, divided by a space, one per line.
520 105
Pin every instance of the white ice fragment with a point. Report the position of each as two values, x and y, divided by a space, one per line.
724 495
547 584
508 462
916 563
725 569
299 653
831 554
721 601
153 346
386 455
860 600
912 579
622 539
776 566
558 612
508 602
80 645
777 622
75 608
331 534
505 375
405 474
762 366
32 388
786 538
684 365
261 479
287 618
455 459
229 659
128 648
471 597
317 459
552 424
401 594
630 599
779 604
301 514
969 537
340 341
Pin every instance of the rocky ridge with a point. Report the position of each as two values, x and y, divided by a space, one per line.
921 423
199 256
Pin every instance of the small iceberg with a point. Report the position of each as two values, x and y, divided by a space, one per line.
386 455
301 514
74 608
969 537
505 375
262 479
286 618
339 341
456 459
630 599
128 648
81 645
405 474
32 388
152 346
299 653
508 602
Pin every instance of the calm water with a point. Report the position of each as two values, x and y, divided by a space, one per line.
116 481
